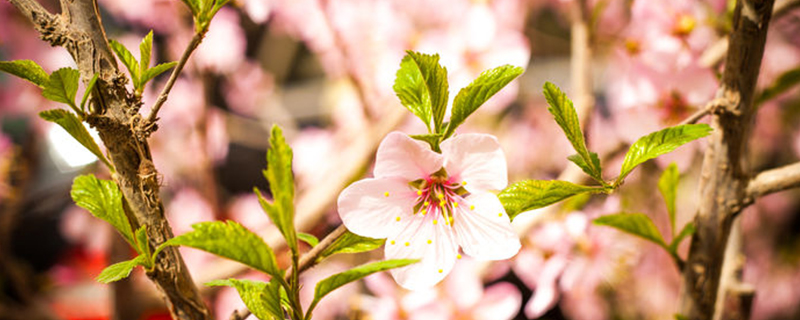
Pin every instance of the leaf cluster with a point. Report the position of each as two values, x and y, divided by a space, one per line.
140 72
422 87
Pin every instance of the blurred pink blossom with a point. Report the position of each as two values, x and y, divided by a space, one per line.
222 50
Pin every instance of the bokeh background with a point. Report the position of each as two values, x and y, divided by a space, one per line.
323 70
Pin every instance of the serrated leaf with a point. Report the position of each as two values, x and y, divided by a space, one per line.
687 230
128 60
637 224
104 201
350 242
75 128
660 142
88 92
281 183
62 86
432 139
310 239
478 92
667 186
422 87
120 270
229 240
153 72
533 194
588 169
143 244
26 69
145 51
257 296
335 281
567 118
785 81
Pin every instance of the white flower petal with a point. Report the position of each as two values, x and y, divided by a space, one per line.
370 207
500 301
401 156
433 243
477 160
483 230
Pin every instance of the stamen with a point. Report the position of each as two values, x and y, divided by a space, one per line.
455 204
440 196
463 183
500 214
458 256
426 203
386 194
435 221
419 192
472 207
391 242
429 241
424 212
442 203
397 219
407 244
440 270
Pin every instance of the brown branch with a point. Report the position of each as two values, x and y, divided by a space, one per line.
724 176
773 180
78 29
308 260
162 97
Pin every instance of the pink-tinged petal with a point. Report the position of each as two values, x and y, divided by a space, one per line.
477 160
546 293
401 156
500 301
433 243
464 283
370 207
483 229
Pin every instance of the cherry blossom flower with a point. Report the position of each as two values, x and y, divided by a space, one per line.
428 205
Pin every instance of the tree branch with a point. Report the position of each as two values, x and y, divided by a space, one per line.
162 97
774 180
724 174
78 29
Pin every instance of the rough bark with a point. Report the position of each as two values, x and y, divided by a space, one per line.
114 112
725 175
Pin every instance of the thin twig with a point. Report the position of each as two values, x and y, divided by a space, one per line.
308 260
162 97
773 180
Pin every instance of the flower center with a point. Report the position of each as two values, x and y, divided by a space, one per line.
439 196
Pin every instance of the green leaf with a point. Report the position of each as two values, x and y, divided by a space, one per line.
120 270
218 4
785 81
193 5
62 86
432 139
143 244
687 230
533 194
588 169
350 242
567 118
335 281
88 92
229 240
104 201
128 60
145 51
26 69
153 72
478 92
679 316
637 224
421 84
75 128
281 184
660 142
259 297
668 185
310 239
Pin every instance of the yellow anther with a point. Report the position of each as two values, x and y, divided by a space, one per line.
458 256
472 207
451 220
440 270
397 219
407 244
429 241
500 214
424 212
463 183
419 192
435 221
386 194
442 203
426 203
391 242
455 204
440 196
